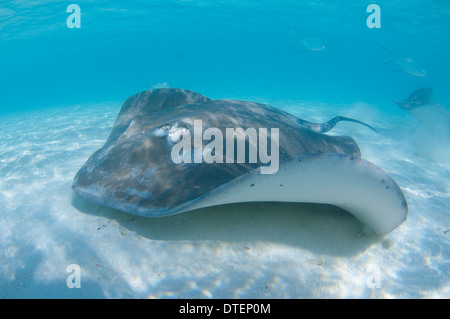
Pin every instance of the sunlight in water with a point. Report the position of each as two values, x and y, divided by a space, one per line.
314 59
234 251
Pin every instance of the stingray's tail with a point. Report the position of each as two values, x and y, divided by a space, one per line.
327 126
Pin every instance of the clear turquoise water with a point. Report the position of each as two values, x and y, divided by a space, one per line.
61 90
222 49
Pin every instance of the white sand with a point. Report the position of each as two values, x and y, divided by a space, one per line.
256 250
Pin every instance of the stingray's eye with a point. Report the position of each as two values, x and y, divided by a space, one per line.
176 134
177 130
163 130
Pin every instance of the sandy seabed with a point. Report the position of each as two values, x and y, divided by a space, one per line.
253 250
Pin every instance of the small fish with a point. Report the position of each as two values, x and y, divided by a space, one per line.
406 64
309 44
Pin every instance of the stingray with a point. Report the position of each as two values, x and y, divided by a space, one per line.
420 97
134 171
434 116
406 64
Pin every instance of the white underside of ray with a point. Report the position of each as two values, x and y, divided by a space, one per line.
350 183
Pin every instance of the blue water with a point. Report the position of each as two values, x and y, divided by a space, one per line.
61 89
222 49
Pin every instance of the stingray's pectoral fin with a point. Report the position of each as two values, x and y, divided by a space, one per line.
351 183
